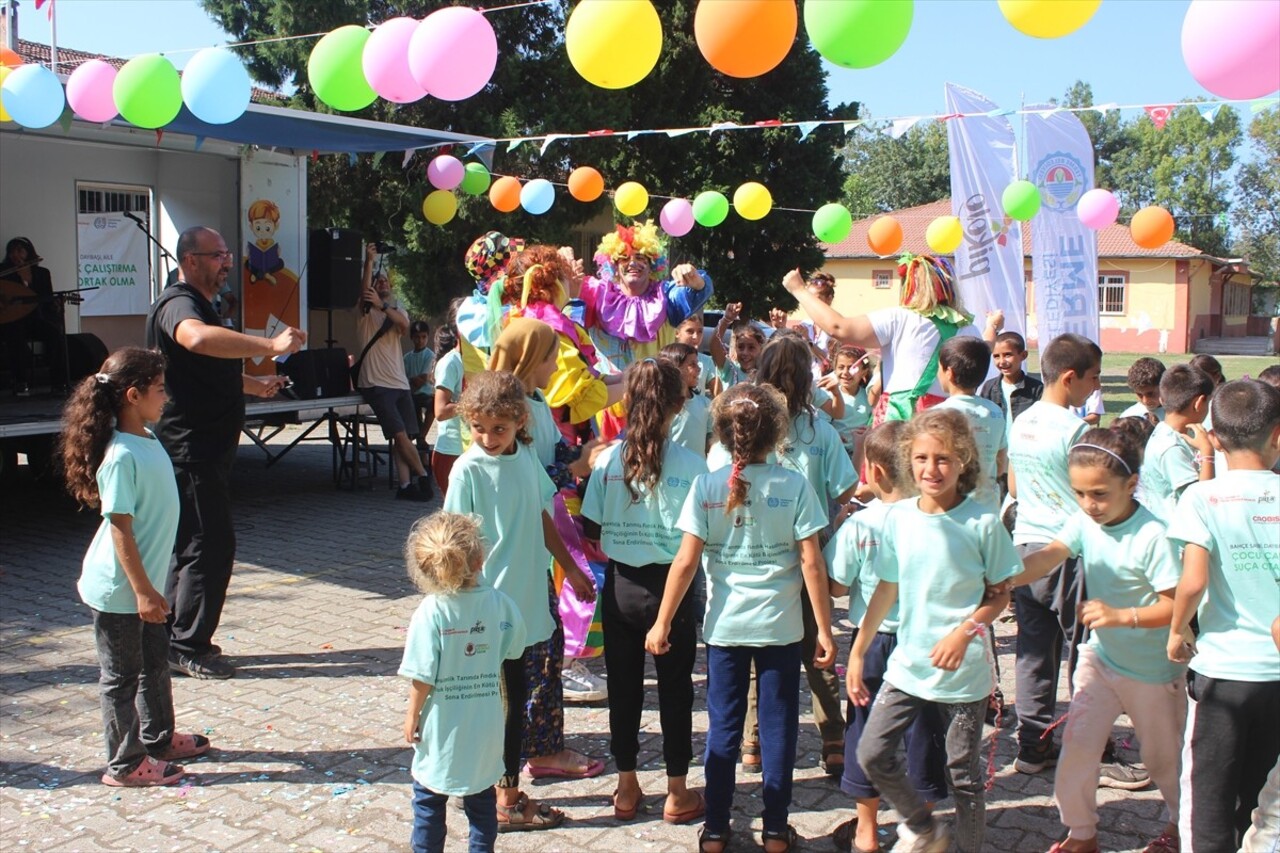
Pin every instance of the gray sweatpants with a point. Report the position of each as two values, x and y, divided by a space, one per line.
1046 615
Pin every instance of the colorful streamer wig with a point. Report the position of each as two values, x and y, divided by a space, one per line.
627 240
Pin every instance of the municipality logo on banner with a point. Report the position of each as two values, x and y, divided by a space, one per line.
1061 179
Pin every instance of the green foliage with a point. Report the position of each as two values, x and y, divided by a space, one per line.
885 174
534 91
1257 214
1106 130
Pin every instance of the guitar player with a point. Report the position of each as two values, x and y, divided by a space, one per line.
21 266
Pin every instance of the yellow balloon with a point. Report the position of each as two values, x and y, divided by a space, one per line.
944 234
752 201
439 207
631 199
614 44
1048 19
5 71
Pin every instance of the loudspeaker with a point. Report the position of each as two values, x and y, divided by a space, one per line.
318 373
85 354
334 266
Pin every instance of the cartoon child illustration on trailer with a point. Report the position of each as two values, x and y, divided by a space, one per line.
270 287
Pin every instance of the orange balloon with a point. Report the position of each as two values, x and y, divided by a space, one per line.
745 38
585 184
885 236
504 194
1151 227
8 58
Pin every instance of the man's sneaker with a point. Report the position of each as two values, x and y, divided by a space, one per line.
410 492
424 487
1032 758
937 840
583 685
1120 774
208 666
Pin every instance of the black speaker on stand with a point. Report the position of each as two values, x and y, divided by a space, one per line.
334 268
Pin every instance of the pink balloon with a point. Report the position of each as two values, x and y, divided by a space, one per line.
386 61
676 217
1098 209
89 91
446 172
1232 47
453 53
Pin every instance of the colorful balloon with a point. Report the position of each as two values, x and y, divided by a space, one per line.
676 217
439 207
5 71
476 179
1048 19
504 194
445 172
89 91
944 234
453 53
1151 227
832 223
710 208
1021 200
336 72
885 235
9 58
385 61
1250 68
148 91
857 33
32 96
631 199
752 201
613 44
216 86
585 184
1098 209
745 38
537 196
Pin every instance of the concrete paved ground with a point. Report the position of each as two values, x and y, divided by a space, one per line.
308 753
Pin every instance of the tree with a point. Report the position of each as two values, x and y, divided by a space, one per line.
885 174
1257 213
1106 130
534 91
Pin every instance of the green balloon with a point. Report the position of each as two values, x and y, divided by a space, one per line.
710 208
148 91
857 33
476 179
832 223
336 72
1021 200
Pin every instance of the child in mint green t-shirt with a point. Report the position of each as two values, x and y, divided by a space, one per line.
458 638
691 427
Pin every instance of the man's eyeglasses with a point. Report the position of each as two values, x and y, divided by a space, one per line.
219 255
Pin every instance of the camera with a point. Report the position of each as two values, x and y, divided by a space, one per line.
385 248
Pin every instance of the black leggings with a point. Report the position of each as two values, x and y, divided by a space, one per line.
629 608
514 693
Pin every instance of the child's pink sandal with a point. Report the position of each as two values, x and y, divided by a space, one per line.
148 774
184 746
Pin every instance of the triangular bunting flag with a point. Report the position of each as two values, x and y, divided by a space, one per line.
851 126
901 126
408 155
722 125
680 131
377 158
315 155
1103 109
1159 114
806 128
547 142
477 147
1260 105
159 136
514 144
632 134
199 143
1209 112
64 120
351 158
998 113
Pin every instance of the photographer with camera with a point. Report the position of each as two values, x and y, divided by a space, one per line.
381 380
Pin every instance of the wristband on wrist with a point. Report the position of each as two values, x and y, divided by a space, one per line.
972 628
1133 614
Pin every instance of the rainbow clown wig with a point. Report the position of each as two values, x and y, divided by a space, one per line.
627 240
929 289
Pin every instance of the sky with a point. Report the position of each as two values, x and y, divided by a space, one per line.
1130 51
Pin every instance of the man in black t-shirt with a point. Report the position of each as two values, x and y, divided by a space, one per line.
200 428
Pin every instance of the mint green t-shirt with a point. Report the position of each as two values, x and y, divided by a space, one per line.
820 398
1039 441
942 564
418 362
988 425
640 532
706 372
857 414
691 427
1127 565
542 428
1236 518
730 374
449 377
814 449
135 479
851 560
1168 467
457 643
509 493
752 555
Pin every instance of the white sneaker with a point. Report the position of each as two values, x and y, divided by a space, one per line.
938 840
583 685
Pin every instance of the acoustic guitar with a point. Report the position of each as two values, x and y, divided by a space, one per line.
17 300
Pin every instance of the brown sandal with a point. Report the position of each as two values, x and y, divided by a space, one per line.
620 813
183 746
830 751
514 818
751 758
148 774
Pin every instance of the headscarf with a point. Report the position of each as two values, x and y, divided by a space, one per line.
524 345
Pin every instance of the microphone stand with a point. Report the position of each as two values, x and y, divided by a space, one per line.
164 253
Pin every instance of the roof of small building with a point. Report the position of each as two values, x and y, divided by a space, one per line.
1113 241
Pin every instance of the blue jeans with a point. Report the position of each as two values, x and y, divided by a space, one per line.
428 820
778 683
136 688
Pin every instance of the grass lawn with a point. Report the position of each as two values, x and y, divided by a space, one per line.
1116 395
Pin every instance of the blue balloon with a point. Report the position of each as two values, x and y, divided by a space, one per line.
33 96
216 86
537 196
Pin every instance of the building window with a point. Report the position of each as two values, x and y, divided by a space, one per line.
1111 290
1235 298
107 198
882 279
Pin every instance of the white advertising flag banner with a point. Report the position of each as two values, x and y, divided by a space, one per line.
1064 253
112 258
989 262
